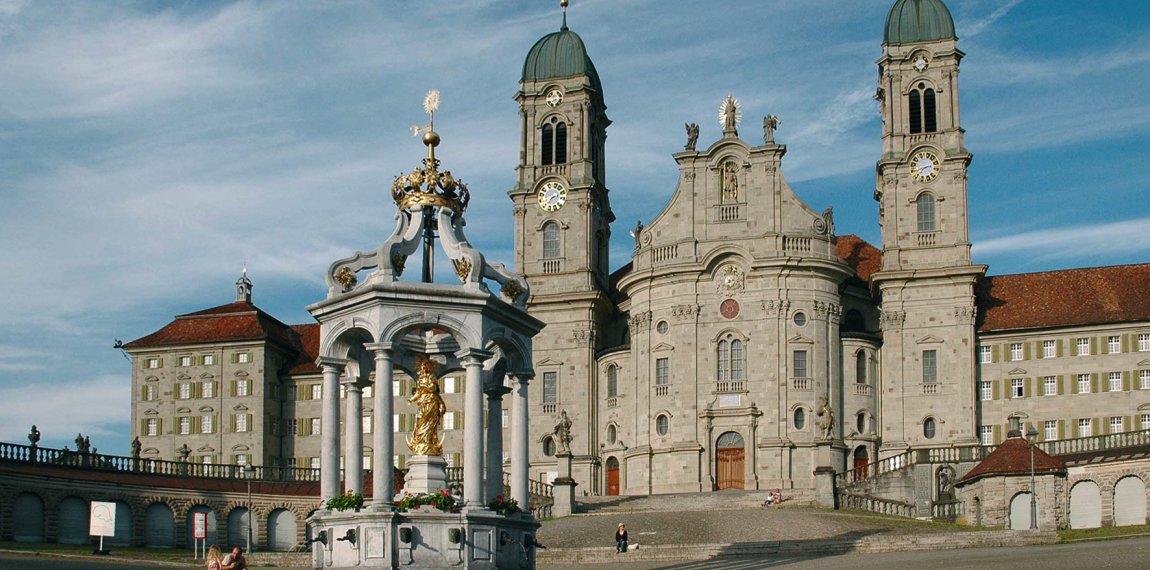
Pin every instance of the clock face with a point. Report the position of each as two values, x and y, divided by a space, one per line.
924 166
920 63
552 196
555 97
729 308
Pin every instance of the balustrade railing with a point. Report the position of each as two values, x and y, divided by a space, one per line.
947 510
926 239
736 386
1096 443
930 388
800 383
662 389
876 505
797 244
729 213
863 390
552 265
613 402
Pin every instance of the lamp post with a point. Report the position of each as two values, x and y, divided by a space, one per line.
249 473
1031 437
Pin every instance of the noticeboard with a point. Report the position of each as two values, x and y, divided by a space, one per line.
102 519
200 525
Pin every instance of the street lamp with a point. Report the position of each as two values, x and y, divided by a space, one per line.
249 473
1032 436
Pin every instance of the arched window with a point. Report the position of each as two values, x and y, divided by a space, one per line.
860 423
730 360
923 112
928 428
612 434
736 360
925 205
548 446
551 249
612 381
860 367
800 419
553 142
724 373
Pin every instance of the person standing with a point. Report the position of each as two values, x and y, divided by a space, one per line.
621 539
235 560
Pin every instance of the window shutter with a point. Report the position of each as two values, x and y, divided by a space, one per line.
1125 381
997 434
1127 422
1126 343
144 426
160 426
1061 384
1094 345
1058 347
1061 429
402 461
197 424
994 389
233 389
233 423
1095 385
235 358
1006 390
1026 388
994 353
251 426
458 422
1026 351
457 459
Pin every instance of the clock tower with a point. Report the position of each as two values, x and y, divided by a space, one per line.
927 279
562 237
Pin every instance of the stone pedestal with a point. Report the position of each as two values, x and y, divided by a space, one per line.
825 474
426 474
563 488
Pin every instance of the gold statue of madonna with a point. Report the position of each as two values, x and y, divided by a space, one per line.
425 439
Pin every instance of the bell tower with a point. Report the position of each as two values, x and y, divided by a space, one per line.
562 236
927 279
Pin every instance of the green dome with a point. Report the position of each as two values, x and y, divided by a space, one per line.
913 21
560 54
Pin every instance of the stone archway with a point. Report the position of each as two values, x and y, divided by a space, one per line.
28 518
159 526
730 461
282 530
1085 505
1020 512
1129 501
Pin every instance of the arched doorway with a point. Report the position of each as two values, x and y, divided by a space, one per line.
159 526
28 518
281 530
238 522
730 460
1129 502
123 536
862 459
1020 512
612 476
73 521
1085 505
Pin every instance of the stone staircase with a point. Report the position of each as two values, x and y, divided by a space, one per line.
719 500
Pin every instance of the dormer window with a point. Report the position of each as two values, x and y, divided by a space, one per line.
554 144
923 110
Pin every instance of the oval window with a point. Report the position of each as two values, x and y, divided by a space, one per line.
800 319
611 434
928 428
662 424
800 418
860 423
662 327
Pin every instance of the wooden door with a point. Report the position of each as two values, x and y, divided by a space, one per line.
612 476
862 459
730 468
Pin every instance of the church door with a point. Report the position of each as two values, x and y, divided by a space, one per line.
612 476
861 462
729 461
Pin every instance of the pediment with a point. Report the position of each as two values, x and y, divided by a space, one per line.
662 347
151 379
1017 372
206 449
183 376
240 447
241 374
206 409
1144 362
183 410
206 376
549 362
150 451
151 413
240 408
800 339
929 339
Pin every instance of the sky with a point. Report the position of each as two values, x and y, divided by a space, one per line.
149 150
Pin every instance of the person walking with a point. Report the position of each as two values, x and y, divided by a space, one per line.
213 558
235 560
621 539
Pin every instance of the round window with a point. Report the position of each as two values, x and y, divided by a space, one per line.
611 434
548 447
662 424
928 428
800 418
800 319
662 327
860 423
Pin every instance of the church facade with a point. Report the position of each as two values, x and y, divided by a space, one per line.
745 334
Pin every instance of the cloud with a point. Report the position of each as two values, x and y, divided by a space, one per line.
60 409
1071 242
971 28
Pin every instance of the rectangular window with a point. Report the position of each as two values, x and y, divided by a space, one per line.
449 420
984 355
152 426
1143 342
395 387
242 387
1114 344
550 387
185 361
1117 424
205 459
152 363
1016 351
986 435
1144 379
450 385
1085 427
366 424
661 372
1048 349
184 390
1016 388
1115 382
1083 383
986 391
395 423
241 423
369 392
313 462
1083 347
317 391
1050 386
1050 430
800 361
206 423
505 419
150 392
316 426
929 366
209 359
208 389
241 459
185 425
243 358
292 426
366 462
1144 422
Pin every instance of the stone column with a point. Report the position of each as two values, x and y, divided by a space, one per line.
329 427
472 360
383 438
353 432
520 468
495 438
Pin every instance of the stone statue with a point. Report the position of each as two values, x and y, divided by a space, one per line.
562 434
425 439
637 232
184 452
692 135
136 445
82 443
770 123
87 444
826 422
730 182
34 436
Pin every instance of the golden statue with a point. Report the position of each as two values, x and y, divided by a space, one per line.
425 439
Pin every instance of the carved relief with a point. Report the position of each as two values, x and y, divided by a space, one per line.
892 320
641 321
825 224
776 306
346 278
827 310
964 315
685 312
583 337
730 280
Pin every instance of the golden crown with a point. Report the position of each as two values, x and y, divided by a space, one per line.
426 186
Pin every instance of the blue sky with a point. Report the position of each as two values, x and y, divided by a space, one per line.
150 149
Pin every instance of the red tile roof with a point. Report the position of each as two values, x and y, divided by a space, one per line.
1013 458
1069 297
309 349
865 258
226 323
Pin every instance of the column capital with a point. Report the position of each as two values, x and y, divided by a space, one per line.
326 362
380 349
351 382
497 392
469 356
523 376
